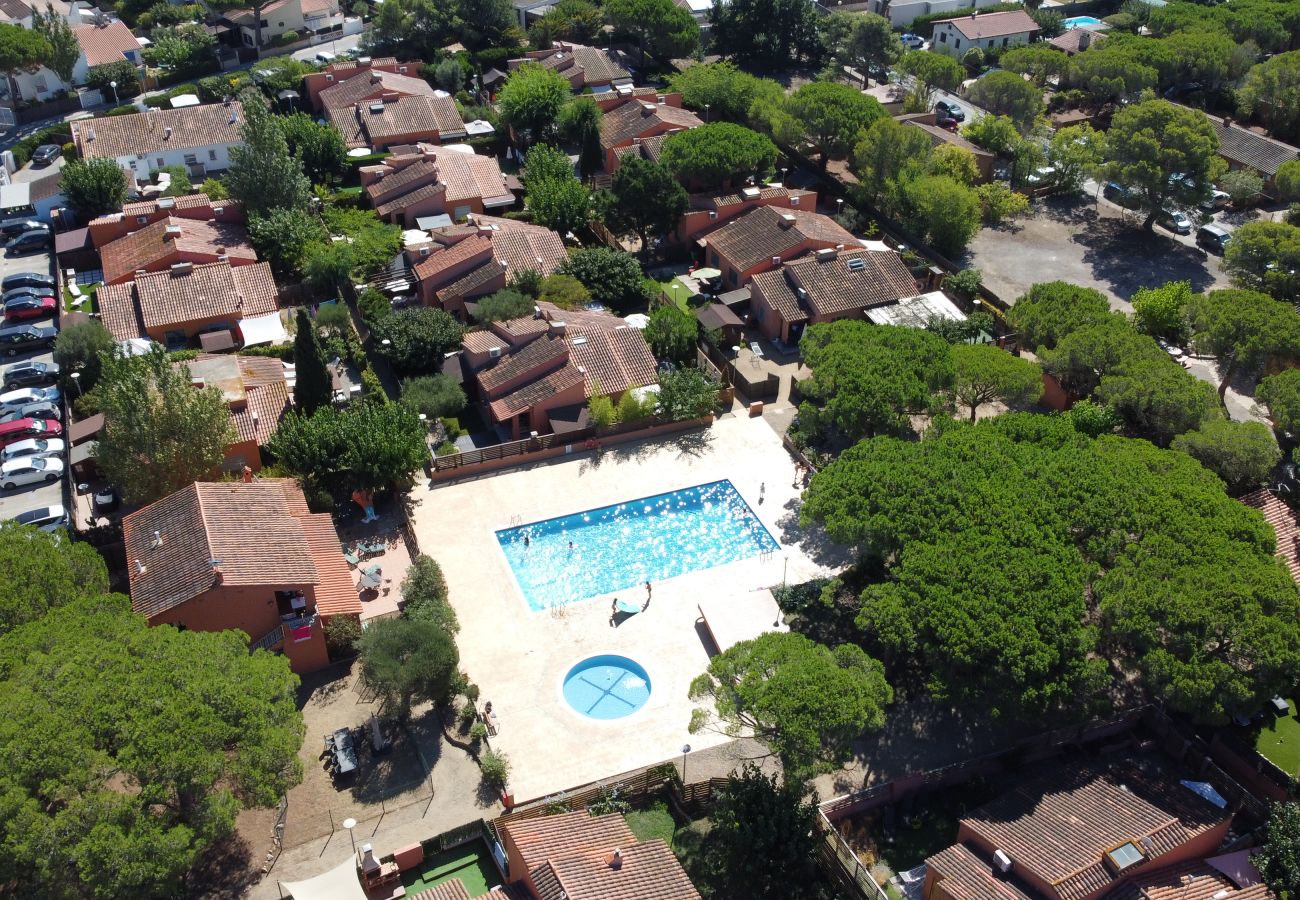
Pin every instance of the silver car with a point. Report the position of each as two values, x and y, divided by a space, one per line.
33 447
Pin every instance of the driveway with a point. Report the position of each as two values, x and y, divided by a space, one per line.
24 498
337 46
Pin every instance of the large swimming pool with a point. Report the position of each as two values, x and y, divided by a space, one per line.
1080 21
621 547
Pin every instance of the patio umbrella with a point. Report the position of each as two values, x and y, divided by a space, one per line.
707 274
637 320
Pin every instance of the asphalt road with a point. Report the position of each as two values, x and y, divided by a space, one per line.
24 498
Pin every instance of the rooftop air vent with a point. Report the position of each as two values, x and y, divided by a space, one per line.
750 193
377 106
1001 862
857 264
494 352
182 268
166 202
579 340
828 253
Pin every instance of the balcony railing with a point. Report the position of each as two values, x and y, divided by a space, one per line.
276 636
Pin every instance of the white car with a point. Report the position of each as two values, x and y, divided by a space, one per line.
23 396
29 470
325 57
32 447
46 518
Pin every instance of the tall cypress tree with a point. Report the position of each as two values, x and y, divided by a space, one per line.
314 386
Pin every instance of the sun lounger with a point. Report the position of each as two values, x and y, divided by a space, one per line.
628 607
373 549
352 558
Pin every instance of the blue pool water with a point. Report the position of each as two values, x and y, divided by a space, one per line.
607 687
621 547
1076 21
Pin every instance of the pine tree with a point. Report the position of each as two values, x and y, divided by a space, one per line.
314 385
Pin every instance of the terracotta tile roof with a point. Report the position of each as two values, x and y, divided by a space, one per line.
422 115
448 890
359 86
554 837
144 134
469 176
149 207
596 65
637 117
1059 827
766 231
528 396
524 328
104 44
540 356
1285 525
523 245
14 10
483 341
1191 881
581 321
402 181
474 283
613 361
647 871
419 195
269 403
336 594
765 192
943 135
990 25
441 261
777 291
163 299
851 279
242 525
1255 151
154 244
1076 40
345 121
963 875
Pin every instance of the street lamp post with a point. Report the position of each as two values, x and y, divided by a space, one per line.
686 748
113 85
76 381
349 824
706 113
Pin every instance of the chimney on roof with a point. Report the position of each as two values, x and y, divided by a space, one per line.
648 109
171 232
217 575
828 253
167 133
376 78
181 268
1001 862
157 539
1227 121
616 859
787 220
248 475
140 568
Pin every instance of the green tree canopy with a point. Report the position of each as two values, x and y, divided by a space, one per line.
687 393
21 50
806 701
1039 61
504 304
94 187
1107 75
1039 545
1271 91
662 27
67 571
130 749
672 333
531 101
580 122
1241 453
767 33
1007 94
160 431
718 154
1162 312
65 50
1075 152
985 373
866 378
613 278
1165 153
409 660
867 42
263 175
1265 257
1241 330
318 145
280 73
371 446
932 71
1278 857
888 154
1287 180
314 387
424 592
284 237
1052 309
648 200
946 211
832 116
436 396
1281 394
81 347
718 91
417 337
564 291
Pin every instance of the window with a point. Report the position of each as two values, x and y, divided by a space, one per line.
160 162
1004 41
142 220
40 84
713 260
956 42
990 43
731 278
1124 856
943 37
212 155
760 312
794 201
191 159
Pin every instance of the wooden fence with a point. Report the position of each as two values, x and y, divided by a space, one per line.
842 866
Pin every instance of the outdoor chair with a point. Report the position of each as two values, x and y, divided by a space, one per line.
352 558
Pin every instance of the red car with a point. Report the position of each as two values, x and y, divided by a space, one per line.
21 429
946 122
29 307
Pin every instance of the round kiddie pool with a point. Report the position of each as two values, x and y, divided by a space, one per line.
607 687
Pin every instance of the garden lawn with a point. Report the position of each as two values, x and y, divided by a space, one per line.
652 824
469 862
1279 741
87 290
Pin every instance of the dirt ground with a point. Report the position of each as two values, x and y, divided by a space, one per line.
1079 240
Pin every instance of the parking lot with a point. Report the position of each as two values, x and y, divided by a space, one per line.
22 499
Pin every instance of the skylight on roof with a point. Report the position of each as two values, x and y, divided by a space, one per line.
1124 856
857 264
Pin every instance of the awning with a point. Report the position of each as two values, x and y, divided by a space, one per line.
340 883
15 196
479 126
136 346
916 312
267 329
428 223
212 341
717 316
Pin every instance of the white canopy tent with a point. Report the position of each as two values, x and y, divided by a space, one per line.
267 329
340 883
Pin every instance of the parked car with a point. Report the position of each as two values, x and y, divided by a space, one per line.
46 518
17 339
27 396
106 499
1218 200
324 58
951 110
40 410
1213 238
29 306
29 373
22 429
33 447
1117 193
11 228
947 123
30 470
912 41
28 279
26 291
29 242
1042 176
46 154
1174 351
1175 220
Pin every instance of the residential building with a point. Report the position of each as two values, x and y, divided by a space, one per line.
1095 831
423 180
1076 40
925 121
1285 524
186 302
585 67
35 199
764 237
196 137
247 556
579 856
999 30
637 120
173 240
537 374
104 42
1244 149
901 13
135 216
529 11
303 17
462 263
258 394
826 286
19 12
383 103
710 211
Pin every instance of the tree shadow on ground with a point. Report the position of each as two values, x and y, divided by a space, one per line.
687 444
487 795
326 684
1126 258
381 776
225 871
812 539
1070 209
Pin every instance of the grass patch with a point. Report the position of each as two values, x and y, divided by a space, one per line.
653 824
1279 741
87 290
470 863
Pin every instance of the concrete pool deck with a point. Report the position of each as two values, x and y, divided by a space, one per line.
519 657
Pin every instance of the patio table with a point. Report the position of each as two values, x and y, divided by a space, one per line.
345 752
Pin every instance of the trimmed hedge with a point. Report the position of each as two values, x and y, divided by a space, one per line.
924 25
56 134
